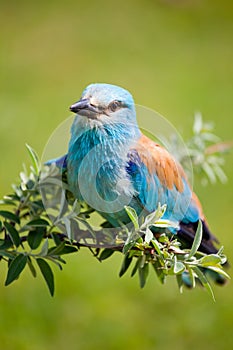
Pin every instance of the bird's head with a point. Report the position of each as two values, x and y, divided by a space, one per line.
105 104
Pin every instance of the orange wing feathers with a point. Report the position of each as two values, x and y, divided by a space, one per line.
158 161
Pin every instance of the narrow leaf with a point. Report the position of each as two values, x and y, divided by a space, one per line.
125 265
47 274
198 124
151 218
67 223
31 267
166 223
106 253
149 235
14 234
219 270
133 216
63 205
6 254
45 248
62 249
57 250
68 249
38 223
56 261
10 216
209 172
57 240
220 251
128 246
16 267
143 274
159 269
6 244
136 266
7 202
210 260
178 267
197 240
220 173
191 277
35 159
203 281
155 244
180 283
35 237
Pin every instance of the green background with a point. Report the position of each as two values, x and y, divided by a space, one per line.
175 57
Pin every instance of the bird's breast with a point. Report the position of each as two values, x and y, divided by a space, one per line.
97 173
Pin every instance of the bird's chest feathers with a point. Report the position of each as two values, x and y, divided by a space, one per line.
97 160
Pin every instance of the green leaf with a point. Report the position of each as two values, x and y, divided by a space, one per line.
166 224
57 240
16 267
10 216
163 238
209 172
13 233
149 235
198 123
151 218
219 270
191 277
5 244
45 248
136 266
133 216
56 260
210 260
35 159
6 254
31 266
68 249
38 223
105 254
7 202
159 269
143 274
35 237
128 246
62 249
220 251
47 274
155 244
202 278
220 173
180 282
178 267
125 265
67 223
197 240
56 250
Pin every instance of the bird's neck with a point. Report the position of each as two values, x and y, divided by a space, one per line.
107 141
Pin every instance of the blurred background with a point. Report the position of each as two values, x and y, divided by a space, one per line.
175 57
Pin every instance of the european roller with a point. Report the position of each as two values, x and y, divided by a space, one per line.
110 163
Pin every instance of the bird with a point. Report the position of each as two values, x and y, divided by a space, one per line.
110 163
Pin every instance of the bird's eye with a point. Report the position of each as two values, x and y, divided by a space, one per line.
113 106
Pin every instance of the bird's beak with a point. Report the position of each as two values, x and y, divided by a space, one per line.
83 107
